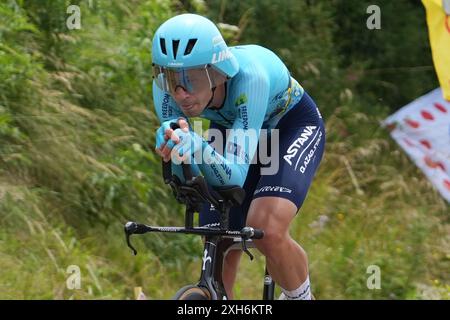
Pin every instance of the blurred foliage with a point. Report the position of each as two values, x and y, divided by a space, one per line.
77 134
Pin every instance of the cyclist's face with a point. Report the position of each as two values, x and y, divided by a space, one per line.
192 104
190 88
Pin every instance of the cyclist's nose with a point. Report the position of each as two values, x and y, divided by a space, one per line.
181 93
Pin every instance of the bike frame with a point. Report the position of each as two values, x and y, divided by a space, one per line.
218 241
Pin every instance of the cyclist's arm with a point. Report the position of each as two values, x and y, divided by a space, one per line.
232 168
166 109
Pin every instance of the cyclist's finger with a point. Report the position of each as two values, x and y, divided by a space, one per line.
159 150
163 153
168 133
184 125
170 148
166 137
166 158
160 137
170 144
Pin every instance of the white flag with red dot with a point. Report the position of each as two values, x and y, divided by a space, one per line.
422 129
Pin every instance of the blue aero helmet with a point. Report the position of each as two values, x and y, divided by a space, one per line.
188 51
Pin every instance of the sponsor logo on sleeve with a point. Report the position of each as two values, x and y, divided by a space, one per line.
241 100
242 109
166 109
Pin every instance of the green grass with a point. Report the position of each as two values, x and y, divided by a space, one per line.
76 162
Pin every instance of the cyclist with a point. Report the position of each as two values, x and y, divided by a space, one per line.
241 90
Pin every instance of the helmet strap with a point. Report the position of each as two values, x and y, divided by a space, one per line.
212 97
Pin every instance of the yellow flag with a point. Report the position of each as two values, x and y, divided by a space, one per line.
438 19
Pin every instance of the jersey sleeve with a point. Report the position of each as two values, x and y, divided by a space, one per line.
250 94
165 106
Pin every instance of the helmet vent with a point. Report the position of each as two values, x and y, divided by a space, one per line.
190 46
162 42
175 44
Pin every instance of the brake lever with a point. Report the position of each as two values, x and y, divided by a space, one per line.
245 249
130 228
129 244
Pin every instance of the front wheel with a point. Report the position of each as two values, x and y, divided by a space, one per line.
192 292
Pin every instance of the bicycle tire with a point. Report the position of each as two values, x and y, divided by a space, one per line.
191 292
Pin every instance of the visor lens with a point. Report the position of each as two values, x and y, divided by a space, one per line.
192 80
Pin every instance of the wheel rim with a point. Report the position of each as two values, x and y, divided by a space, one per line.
195 290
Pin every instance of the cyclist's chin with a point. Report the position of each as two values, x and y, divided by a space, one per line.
192 110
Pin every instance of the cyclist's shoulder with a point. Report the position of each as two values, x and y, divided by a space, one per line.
252 56
249 49
258 63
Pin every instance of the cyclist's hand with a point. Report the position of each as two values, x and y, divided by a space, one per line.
166 138
187 144
160 136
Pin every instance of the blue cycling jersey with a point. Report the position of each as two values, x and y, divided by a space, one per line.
256 98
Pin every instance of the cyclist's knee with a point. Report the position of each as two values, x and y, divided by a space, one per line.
273 215
272 242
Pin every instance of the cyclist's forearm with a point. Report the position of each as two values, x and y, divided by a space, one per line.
220 171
